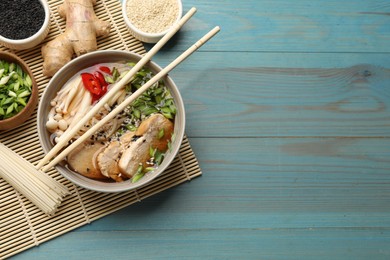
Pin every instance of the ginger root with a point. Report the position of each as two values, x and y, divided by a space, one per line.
82 28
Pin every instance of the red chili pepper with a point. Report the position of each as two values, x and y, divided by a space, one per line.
99 76
104 90
91 83
105 69
95 83
95 98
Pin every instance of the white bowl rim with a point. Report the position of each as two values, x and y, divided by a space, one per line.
146 34
35 36
114 186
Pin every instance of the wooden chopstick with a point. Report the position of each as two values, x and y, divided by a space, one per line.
131 98
126 79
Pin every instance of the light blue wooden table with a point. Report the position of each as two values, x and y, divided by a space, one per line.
288 112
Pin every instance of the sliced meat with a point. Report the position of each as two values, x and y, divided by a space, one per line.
108 161
109 157
137 153
155 132
127 138
152 127
83 160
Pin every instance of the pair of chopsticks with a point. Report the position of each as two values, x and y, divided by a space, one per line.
125 80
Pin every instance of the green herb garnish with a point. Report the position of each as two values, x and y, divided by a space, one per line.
15 89
139 174
157 99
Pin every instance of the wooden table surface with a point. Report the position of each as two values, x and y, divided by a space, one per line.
288 113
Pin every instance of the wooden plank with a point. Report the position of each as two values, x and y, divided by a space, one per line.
219 244
286 94
286 198
280 26
279 183
288 113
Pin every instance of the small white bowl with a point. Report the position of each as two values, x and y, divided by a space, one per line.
33 40
145 36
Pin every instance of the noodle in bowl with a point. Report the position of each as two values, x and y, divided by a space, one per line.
74 67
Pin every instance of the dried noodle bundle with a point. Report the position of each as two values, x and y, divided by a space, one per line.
42 190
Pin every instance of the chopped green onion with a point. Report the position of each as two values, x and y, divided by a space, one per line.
138 175
160 133
15 89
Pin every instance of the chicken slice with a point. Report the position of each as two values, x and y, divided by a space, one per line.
137 153
109 157
83 160
156 132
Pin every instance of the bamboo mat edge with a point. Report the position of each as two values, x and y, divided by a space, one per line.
23 225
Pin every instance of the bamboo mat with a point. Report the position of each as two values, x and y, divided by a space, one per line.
22 224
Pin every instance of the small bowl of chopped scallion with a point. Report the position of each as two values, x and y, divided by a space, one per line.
18 91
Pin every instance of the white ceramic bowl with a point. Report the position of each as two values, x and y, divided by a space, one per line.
145 36
73 67
33 40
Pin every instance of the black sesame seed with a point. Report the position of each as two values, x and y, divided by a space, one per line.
135 138
13 26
